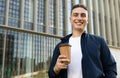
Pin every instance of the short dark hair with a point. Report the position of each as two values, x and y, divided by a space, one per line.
79 5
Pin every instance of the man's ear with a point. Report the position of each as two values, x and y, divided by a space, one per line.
87 21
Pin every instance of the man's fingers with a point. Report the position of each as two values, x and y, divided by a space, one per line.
65 60
63 66
62 57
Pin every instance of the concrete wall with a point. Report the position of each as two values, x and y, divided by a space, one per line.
116 54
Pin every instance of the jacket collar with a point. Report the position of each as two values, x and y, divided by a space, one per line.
66 38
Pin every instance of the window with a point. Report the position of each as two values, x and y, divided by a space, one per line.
2 11
14 13
51 17
28 14
41 16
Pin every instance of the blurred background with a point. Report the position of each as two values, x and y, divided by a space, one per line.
30 29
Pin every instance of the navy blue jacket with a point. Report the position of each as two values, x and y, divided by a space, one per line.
97 61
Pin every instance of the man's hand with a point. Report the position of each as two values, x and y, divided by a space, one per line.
61 63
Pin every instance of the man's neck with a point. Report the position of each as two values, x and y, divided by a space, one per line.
76 34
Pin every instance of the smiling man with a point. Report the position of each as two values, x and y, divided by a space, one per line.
79 19
90 55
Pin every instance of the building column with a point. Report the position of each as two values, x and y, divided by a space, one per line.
90 21
35 15
107 20
102 19
119 7
57 16
82 2
4 50
46 16
7 12
22 15
5 32
65 24
117 19
96 17
113 24
20 35
72 2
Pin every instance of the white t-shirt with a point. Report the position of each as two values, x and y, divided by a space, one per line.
75 66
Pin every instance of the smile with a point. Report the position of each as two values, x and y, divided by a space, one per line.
79 23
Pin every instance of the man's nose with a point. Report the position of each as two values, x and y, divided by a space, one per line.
79 16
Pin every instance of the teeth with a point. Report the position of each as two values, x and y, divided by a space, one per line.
80 23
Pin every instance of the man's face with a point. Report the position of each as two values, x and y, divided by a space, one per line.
79 19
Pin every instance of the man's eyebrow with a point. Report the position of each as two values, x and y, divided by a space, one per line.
83 13
75 13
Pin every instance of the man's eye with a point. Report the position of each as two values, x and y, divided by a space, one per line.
75 14
83 15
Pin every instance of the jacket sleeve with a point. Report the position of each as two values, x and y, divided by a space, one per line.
51 72
108 61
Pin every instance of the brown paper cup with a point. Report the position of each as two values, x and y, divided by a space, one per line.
65 49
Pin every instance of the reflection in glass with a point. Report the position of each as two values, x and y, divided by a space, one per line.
69 13
14 13
61 18
41 16
9 55
28 14
2 11
1 51
51 17
26 54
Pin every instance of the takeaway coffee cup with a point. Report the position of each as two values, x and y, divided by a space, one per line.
65 49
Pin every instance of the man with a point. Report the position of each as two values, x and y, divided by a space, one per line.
90 55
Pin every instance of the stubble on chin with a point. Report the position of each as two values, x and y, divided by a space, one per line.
80 30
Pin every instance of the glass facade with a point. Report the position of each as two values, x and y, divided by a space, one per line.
14 13
1 50
25 53
2 11
61 26
10 62
28 14
69 13
52 27
41 16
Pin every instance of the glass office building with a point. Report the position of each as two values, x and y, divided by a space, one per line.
30 29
